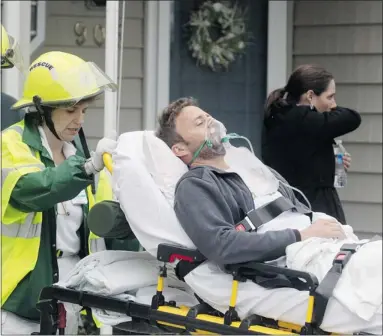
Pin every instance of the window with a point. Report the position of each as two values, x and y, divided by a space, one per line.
38 19
34 23
95 3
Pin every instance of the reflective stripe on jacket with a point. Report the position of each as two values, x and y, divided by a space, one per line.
21 222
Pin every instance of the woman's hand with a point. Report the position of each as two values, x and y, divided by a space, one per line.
105 145
347 161
96 163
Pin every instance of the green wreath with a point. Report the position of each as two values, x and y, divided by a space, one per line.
228 24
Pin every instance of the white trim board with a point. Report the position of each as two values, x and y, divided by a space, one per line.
158 15
279 43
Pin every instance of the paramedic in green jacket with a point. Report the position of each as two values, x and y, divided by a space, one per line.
49 183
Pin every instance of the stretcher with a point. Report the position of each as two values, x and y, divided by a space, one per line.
168 317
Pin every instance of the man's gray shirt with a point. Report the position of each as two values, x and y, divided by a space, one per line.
208 204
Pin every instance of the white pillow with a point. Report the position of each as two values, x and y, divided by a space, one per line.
131 144
150 215
165 168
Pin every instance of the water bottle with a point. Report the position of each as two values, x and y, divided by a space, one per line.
339 146
340 179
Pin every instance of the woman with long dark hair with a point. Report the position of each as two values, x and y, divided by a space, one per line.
300 124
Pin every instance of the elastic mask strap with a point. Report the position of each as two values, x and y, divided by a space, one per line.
198 151
45 115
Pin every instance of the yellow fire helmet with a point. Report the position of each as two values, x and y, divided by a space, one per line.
10 52
59 79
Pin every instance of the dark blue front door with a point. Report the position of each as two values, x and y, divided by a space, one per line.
235 97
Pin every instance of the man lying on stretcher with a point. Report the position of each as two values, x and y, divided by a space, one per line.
210 200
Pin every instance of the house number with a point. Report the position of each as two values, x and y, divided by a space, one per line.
81 33
99 34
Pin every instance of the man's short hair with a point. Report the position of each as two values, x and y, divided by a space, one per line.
167 121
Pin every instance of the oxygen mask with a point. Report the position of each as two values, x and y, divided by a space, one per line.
215 135
217 139
213 144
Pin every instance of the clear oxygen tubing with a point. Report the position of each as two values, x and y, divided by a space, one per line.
230 136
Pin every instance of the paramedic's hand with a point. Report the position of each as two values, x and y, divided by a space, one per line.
323 228
105 145
347 161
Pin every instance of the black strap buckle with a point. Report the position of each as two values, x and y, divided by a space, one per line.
345 253
342 258
325 289
245 225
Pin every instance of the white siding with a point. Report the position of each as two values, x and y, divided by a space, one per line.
346 38
61 19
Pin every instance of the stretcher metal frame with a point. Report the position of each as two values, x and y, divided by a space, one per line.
200 319
167 317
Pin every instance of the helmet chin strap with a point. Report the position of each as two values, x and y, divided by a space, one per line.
46 116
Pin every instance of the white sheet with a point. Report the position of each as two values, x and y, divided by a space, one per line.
152 219
360 286
122 275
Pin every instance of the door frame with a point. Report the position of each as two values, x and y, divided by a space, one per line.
158 29
158 17
17 21
280 31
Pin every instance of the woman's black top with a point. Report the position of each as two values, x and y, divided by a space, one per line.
298 143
